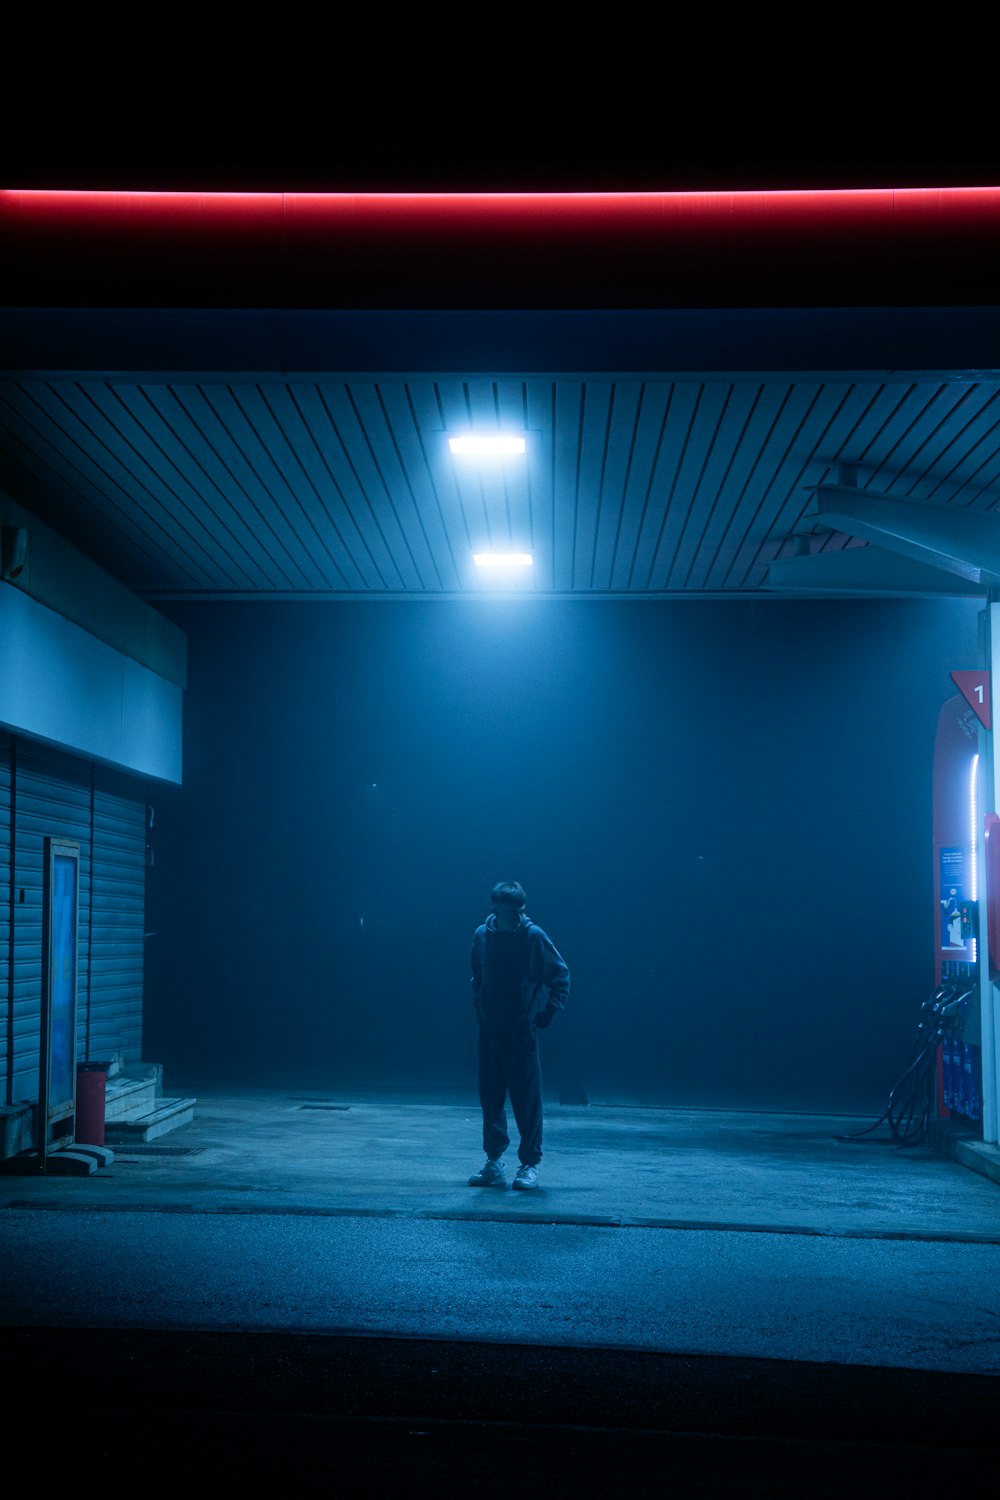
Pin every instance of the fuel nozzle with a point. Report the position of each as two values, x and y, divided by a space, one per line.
953 1010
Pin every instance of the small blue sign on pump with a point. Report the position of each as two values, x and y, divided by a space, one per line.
953 894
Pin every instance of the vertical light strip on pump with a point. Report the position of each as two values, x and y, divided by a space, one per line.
969 926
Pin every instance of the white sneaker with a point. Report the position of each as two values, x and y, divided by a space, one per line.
527 1177
493 1174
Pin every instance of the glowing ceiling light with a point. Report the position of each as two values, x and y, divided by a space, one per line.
487 444
502 559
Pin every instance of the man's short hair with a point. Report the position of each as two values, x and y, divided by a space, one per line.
508 893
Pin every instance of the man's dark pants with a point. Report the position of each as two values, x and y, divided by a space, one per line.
510 1065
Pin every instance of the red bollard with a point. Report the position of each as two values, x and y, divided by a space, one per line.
91 1095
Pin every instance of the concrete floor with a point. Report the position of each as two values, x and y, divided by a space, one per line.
371 1151
736 1251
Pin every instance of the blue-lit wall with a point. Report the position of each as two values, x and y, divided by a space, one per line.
721 812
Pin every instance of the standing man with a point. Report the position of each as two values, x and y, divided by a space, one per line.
519 981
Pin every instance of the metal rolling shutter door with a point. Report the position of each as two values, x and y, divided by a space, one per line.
53 797
117 917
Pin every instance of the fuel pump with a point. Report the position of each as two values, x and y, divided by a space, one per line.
959 948
944 1074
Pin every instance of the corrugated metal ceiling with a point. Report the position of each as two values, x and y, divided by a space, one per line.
286 488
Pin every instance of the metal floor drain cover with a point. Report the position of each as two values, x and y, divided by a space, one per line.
142 1148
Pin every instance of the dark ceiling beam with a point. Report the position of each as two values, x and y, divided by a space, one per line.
741 343
962 542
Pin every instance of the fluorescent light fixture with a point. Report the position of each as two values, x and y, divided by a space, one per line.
487 444
502 559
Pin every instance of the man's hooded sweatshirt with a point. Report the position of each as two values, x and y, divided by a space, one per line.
519 978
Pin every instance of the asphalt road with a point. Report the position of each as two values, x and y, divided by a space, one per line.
895 1303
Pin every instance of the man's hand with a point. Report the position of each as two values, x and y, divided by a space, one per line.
545 1016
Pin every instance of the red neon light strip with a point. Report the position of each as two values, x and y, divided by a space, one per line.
776 247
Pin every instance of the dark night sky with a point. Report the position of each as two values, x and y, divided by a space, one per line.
670 155
695 106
